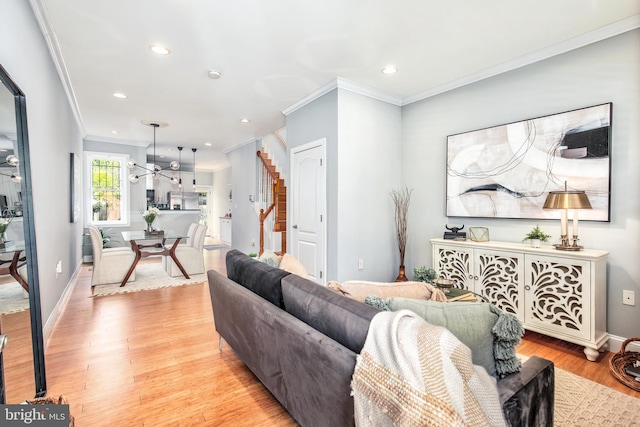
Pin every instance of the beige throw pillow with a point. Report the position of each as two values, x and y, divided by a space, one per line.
292 265
360 289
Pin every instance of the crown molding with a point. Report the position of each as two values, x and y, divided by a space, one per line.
42 16
251 140
577 42
94 138
341 83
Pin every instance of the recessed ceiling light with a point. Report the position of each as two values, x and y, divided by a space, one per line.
120 95
245 120
115 132
390 69
159 49
208 144
215 74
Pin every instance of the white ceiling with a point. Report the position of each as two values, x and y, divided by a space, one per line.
274 53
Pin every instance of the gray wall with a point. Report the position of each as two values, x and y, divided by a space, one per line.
363 137
369 160
603 72
53 134
246 226
316 120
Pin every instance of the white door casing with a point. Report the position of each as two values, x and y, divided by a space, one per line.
308 208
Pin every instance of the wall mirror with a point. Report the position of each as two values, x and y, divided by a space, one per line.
22 374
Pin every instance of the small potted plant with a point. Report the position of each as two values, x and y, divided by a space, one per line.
253 255
536 236
424 274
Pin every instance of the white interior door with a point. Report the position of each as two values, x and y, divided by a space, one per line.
308 206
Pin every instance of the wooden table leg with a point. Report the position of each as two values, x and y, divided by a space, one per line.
172 254
13 270
138 254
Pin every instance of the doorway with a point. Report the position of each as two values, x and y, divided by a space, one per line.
205 205
308 208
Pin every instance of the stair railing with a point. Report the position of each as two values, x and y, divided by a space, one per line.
271 188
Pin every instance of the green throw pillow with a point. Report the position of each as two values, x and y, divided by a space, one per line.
483 328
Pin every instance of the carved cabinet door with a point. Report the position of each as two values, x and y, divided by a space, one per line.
455 263
558 296
501 280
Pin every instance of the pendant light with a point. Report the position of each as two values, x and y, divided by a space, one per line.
155 171
194 168
12 160
180 173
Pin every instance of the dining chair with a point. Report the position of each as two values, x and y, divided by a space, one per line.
190 254
110 265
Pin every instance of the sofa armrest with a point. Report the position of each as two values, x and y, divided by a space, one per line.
527 397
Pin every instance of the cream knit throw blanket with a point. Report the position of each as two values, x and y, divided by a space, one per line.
411 373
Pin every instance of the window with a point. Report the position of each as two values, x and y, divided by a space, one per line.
108 199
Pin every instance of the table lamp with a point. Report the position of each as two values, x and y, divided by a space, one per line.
566 200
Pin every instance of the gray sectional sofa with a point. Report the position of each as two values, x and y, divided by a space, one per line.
301 340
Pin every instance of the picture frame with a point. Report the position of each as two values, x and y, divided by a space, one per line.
506 171
75 182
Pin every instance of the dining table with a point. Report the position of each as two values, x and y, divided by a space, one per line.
145 244
15 249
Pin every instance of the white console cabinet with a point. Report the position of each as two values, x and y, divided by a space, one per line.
557 293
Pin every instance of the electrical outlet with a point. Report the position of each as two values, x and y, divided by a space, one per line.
628 297
360 264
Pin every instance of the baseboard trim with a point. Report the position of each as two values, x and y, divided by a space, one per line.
615 343
51 322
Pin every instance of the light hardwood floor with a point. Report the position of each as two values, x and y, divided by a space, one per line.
151 359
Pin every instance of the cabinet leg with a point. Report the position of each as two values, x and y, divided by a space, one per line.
592 354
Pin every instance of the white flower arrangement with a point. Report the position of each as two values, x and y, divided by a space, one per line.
150 215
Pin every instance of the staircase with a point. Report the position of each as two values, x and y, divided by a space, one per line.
273 196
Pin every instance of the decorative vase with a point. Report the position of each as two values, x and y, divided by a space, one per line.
535 243
401 276
149 227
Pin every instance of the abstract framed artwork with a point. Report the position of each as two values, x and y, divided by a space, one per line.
507 171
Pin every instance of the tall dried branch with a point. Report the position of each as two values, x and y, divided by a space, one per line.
401 199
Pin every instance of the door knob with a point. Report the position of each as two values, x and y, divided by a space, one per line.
3 342
295 226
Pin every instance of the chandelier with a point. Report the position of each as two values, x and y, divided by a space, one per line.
12 160
156 171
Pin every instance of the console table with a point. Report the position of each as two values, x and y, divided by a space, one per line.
557 293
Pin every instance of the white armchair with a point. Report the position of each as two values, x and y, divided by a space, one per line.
189 254
110 265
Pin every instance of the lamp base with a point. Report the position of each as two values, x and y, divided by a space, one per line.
568 247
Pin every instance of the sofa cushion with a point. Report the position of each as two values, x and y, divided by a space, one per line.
340 318
470 322
256 276
292 265
359 290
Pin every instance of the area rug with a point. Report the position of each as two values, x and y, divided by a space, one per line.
580 402
148 276
13 298
212 247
